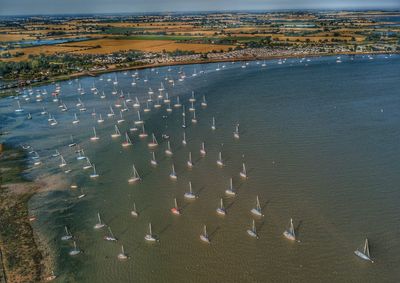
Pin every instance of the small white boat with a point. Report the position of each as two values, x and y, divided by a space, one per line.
143 134
100 119
116 133
168 151
76 120
122 255
190 162
230 191
194 119
56 154
67 236
190 194
147 108
111 113
364 254
110 237
99 224
135 175
204 236
149 237
257 210
192 98
75 250
94 137
139 121
121 119
253 232
290 233
88 164
213 124
202 149
173 175
153 143
153 160
192 108
19 109
63 162
220 162
175 210
82 195
94 174
243 173
221 209
184 142
136 104
134 211
127 141
236 132
178 103
204 102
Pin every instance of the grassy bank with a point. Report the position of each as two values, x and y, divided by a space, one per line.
21 258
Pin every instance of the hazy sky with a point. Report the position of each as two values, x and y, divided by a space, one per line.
17 7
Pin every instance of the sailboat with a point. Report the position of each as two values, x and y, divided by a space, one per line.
175 210
157 104
99 224
81 154
173 175
236 132
94 174
75 250
183 122
243 173
56 154
169 109
94 137
135 175
111 113
189 162
121 119
220 162
154 142
230 191
143 134
63 162
202 149
364 254
290 233
127 141
221 209
166 99
257 210
253 232
204 236
67 236
149 237
139 120
53 121
213 124
76 120
88 164
204 102
168 151
82 195
72 144
192 108
190 194
184 142
192 99
111 236
178 103
136 104
194 119
134 211
147 108
100 120
153 160
122 255
19 109
116 133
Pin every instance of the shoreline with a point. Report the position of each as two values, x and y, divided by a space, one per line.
25 256
6 92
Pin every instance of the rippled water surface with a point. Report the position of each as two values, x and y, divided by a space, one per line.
320 140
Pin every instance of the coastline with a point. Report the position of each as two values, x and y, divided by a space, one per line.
9 92
25 257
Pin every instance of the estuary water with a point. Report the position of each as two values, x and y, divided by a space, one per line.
320 141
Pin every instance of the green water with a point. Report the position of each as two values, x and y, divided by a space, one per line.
320 142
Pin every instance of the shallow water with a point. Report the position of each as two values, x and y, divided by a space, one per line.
320 142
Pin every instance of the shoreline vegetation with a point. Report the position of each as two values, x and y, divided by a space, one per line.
25 256
115 68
